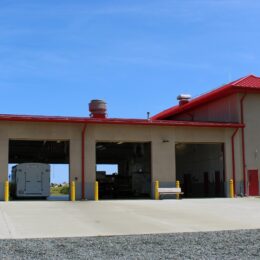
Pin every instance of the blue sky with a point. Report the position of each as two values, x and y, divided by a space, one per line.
138 55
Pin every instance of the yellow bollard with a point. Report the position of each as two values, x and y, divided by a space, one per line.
177 186
72 191
6 191
156 191
96 191
231 188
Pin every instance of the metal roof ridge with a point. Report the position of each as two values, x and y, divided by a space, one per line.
234 83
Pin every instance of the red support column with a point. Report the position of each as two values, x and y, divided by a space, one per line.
233 161
243 142
83 194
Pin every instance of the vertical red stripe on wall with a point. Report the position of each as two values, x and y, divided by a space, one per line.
233 160
83 195
243 142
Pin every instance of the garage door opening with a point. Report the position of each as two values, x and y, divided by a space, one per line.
200 169
123 170
39 169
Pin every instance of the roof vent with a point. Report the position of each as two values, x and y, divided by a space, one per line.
183 99
98 108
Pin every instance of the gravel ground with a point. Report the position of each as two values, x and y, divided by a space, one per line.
244 244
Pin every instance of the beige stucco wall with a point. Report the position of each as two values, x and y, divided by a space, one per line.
163 153
252 132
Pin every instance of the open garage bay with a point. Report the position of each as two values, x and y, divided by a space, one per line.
200 169
123 170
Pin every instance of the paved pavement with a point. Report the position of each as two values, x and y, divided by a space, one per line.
42 219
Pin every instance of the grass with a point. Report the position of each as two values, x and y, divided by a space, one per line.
60 190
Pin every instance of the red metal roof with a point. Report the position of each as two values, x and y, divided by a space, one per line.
246 84
87 120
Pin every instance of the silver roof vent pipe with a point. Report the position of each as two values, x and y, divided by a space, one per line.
184 99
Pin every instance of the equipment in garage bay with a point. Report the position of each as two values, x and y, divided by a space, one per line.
200 168
133 177
30 180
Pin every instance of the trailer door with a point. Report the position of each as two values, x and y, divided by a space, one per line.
33 180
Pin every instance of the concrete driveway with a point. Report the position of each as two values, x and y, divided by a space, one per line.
39 219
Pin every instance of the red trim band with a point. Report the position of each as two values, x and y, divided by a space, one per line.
115 121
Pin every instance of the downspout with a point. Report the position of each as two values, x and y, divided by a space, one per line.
83 195
233 160
243 142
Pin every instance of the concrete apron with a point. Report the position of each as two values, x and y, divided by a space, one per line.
43 219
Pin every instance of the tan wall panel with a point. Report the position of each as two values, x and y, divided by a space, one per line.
3 164
200 134
252 132
162 140
163 155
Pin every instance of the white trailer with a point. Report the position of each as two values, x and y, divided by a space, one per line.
30 180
